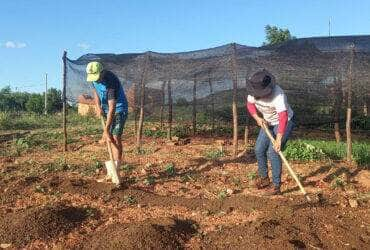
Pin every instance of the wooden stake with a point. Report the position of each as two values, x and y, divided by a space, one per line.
169 121
46 94
194 117
162 103
234 105
349 107
64 99
212 101
337 93
142 103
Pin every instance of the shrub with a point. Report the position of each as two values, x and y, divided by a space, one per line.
5 120
307 150
300 150
214 154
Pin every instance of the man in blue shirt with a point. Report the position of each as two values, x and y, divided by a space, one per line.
111 102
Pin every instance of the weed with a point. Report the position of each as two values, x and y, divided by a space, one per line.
252 176
186 178
300 150
237 182
149 180
222 194
307 150
40 189
170 169
127 168
129 199
155 133
214 154
338 182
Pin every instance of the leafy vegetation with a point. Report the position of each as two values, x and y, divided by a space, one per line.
170 169
214 154
308 150
275 35
22 101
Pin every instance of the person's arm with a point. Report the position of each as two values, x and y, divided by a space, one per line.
251 107
98 109
281 108
110 115
283 121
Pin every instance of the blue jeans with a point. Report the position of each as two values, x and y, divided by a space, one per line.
264 148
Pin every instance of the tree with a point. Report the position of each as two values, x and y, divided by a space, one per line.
35 104
55 103
275 35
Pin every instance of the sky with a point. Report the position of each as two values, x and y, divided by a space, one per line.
34 33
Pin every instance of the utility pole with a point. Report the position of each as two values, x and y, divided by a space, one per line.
329 27
46 94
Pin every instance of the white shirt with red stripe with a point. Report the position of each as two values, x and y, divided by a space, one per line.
272 105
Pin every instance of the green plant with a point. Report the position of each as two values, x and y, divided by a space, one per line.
129 199
127 168
214 154
155 133
338 182
222 194
149 180
306 150
252 175
40 189
170 169
300 150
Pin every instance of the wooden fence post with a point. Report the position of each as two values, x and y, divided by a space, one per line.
246 128
142 102
234 105
194 116
349 107
212 101
64 99
337 93
162 103
169 121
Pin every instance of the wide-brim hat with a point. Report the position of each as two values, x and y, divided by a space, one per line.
261 83
93 70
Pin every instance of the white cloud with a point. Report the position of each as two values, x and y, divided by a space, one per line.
14 45
83 45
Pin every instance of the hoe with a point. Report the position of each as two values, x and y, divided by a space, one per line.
287 165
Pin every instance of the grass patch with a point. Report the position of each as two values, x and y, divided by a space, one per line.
214 154
309 150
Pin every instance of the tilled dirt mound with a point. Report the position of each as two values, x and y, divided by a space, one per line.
311 228
162 233
43 223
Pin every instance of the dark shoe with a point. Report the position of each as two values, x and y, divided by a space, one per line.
273 191
262 182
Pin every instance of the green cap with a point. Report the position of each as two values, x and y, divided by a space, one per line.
93 70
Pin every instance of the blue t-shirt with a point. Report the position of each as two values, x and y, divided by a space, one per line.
108 87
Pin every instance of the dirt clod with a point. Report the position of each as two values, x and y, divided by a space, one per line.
161 233
43 223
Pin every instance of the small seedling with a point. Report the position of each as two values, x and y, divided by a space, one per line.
251 176
149 180
130 199
170 169
127 168
40 189
338 182
222 194
98 165
237 182
214 154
